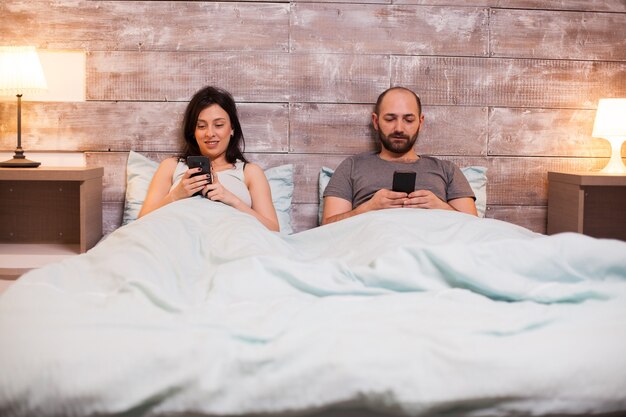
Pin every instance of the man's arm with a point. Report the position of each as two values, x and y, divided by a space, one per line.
464 205
336 208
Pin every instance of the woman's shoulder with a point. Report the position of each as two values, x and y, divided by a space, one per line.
170 162
253 173
250 167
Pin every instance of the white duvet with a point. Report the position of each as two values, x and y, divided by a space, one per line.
198 308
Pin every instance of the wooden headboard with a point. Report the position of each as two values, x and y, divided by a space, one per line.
513 88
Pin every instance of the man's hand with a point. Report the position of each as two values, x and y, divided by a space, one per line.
336 208
425 199
384 199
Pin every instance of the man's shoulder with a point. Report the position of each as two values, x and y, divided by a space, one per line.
363 157
360 158
438 162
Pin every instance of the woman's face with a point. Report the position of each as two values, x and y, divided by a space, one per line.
213 131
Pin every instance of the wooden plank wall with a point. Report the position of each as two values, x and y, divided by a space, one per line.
511 85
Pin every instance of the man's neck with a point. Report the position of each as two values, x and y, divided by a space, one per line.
410 156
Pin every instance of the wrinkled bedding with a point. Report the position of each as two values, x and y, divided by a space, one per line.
197 308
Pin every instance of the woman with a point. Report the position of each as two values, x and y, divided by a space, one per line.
211 128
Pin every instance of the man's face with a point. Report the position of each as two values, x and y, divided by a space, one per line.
398 122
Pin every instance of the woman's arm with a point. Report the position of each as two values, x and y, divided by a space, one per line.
159 193
261 195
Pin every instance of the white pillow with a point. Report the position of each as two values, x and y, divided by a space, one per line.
281 185
476 176
139 172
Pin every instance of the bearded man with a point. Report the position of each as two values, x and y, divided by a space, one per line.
363 182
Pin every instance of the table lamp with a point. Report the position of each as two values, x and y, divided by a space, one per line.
610 124
20 72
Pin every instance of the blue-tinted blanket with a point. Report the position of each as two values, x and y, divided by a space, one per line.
198 308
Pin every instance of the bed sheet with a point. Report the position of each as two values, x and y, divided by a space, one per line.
197 308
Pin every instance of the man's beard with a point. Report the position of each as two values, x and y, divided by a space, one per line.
398 147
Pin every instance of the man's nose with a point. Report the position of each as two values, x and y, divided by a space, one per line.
400 125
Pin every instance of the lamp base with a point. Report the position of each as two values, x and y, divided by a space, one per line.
615 165
19 161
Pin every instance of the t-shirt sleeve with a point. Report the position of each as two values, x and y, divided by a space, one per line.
459 186
340 184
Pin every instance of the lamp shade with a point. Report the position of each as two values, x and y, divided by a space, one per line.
610 118
20 71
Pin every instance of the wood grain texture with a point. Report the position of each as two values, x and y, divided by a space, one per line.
147 26
523 181
346 1
530 217
384 29
347 129
337 78
566 35
176 76
112 212
587 5
304 216
250 77
510 82
544 132
120 126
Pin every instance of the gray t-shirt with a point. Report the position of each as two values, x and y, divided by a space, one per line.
358 177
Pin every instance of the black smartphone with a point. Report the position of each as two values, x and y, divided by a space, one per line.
201 162
404 181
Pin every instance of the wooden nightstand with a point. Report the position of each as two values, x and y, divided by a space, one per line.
47 214
590 203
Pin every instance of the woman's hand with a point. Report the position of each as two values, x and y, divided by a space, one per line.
217 192
189 185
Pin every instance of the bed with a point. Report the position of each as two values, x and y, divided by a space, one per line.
197 310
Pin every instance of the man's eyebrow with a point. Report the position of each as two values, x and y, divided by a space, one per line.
396 115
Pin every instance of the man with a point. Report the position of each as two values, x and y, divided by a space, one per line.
363 182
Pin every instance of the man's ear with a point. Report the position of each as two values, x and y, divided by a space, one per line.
375 120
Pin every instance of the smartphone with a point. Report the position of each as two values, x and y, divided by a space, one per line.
404 181
201 162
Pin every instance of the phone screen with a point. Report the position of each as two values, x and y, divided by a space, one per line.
404 181
199 161
204 163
